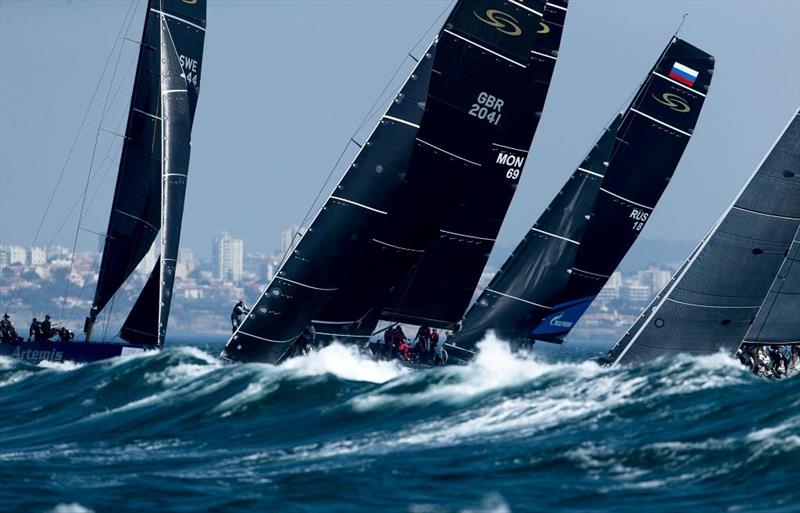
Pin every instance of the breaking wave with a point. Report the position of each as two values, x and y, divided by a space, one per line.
333 431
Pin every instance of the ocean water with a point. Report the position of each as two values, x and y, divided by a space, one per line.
334 432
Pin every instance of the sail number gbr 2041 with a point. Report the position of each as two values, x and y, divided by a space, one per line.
488 107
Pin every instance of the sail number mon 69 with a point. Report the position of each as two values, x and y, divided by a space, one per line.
487 107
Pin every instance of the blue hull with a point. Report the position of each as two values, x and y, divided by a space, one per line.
78 352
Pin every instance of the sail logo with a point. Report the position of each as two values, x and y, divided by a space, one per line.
674 102
544 28
556 322
511 163
190 69
503 22
190 2
507 159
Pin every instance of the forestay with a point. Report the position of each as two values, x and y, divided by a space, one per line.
712 301
566 258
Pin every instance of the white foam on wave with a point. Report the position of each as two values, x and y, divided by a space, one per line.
7 363
784 437
60 366
494 368
579 391
13 373
180 381
72 507
185 372
718 370
492 503
345 362
239 401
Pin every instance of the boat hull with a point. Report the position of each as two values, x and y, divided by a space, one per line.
78 352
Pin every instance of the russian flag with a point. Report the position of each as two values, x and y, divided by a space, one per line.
683 74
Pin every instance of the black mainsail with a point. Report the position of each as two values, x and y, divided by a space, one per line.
397 193
151 180
451 267
712 301
485 98
563 262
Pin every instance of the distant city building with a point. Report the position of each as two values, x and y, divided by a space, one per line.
59 253
609 293
615 281
638 293
290 237
35 256
17 255
654 278
227 256
186 263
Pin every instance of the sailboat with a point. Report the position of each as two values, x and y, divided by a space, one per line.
470 98
740 284
150 187
568 255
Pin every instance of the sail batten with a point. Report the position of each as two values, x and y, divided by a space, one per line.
441 285
563 262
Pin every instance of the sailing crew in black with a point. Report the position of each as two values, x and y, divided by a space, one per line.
65 335
239 309
423 338
47 328
35 331
8 334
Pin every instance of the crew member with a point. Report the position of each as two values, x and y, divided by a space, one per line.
434 343
8 333
65 335
307 340
35 331
239 309
423 338
47 329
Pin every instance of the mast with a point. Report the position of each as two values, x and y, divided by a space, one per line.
718 292
566 258
136 212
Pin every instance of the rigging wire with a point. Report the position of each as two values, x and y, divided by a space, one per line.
103 113
380 100
106 160
129 14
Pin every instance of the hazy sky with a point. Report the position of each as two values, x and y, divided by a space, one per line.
285 84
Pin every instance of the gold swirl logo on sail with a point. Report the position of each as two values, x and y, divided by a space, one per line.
190 2
673 101
503 22
543 28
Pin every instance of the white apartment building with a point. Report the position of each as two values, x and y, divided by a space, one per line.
227 257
